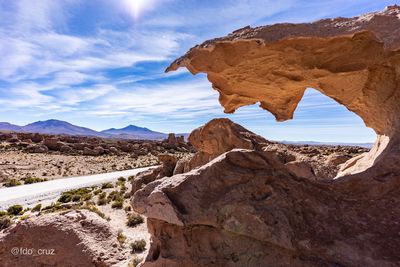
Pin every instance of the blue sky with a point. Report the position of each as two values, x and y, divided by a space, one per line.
100 64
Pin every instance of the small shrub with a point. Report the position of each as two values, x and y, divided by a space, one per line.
12 182
103 195
115 196
54 207
123 189
75 195
38 207
121 179
118 204
65 198
24 217
32 180
135 262
98 191
75 198
121 238
3 213
138 246
127 195
107 185
94 209
131 178
87 197
101 201
134 220
128 208
15 210
5 222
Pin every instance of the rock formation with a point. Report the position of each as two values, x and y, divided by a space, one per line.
89 146
222 135
216 137
248 207
354 61
73 238
168 163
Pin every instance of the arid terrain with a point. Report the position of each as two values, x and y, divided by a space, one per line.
236 198
108 206
24 155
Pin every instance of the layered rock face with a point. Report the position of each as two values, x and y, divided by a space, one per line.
73 238
354 61
245 209
249 207
222 135
216 137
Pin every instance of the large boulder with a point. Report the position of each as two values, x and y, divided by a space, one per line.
53 144
37 149
254 207
216 137
245 208
72 238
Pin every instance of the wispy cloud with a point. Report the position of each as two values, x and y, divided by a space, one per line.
101 62
169 100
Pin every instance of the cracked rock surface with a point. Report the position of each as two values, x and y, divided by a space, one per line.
247 206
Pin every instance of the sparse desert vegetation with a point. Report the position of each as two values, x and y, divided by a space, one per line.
31 158
138 246
134 220
15 210
106 201
5 222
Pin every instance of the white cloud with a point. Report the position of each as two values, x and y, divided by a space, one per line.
59 58
163 99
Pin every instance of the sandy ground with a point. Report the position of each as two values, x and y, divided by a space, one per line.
117 219
19 165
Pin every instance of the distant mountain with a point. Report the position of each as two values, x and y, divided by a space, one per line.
59 127
135 132
63 127
5 126
313 143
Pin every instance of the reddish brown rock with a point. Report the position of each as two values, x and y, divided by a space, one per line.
73 238
66 149
352 60
254 207
168 163
53 144
37 149
216 137
245 209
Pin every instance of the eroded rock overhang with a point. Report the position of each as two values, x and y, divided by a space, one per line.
355 61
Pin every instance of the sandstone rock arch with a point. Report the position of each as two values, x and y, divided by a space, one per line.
321 119
245 207
354 61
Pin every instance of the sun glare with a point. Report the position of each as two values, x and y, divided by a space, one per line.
136 7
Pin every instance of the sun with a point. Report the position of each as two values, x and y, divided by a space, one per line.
136 7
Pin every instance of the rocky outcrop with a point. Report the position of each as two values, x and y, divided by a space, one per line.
352 60
215 138
168 163
37 149
73 238
90 146
261 207
245 208
222 135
